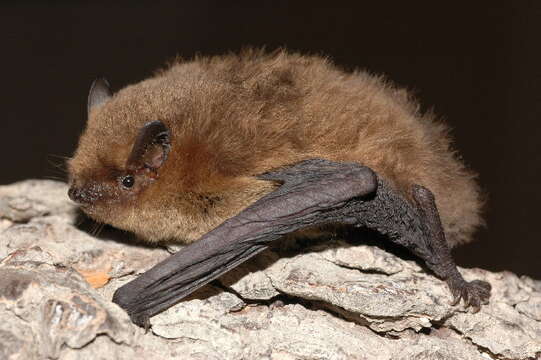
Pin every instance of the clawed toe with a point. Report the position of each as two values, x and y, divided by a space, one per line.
474 293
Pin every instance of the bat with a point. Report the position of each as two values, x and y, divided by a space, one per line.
230 153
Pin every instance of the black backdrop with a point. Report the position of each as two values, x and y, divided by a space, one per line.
476 66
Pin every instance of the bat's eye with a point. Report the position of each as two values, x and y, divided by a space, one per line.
128 181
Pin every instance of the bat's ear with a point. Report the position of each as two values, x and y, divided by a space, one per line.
151 147
99 93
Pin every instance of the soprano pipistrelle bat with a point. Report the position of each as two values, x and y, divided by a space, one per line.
230 153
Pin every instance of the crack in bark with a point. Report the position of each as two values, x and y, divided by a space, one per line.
479 347
315 305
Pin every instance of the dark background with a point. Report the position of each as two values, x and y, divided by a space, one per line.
477 66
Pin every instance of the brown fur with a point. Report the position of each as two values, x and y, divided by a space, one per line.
236 116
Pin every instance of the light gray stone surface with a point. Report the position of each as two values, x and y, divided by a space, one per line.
330 301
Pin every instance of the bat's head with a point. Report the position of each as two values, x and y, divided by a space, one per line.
118 159
144 166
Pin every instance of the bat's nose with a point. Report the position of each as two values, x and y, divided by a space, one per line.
83 195
77 195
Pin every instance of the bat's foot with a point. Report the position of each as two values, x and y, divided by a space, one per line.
474 293
437 255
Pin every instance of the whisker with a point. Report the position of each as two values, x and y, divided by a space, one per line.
99 229
57 165
95 229
92 228
59 156
57 178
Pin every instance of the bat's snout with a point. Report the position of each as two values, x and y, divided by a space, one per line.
84 195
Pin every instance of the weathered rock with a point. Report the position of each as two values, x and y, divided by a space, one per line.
502 330
69 246
531 307
294 332
330 301
404 300
48 308
364 258
25 200
257 285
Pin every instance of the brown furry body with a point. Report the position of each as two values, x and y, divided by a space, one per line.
234 117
